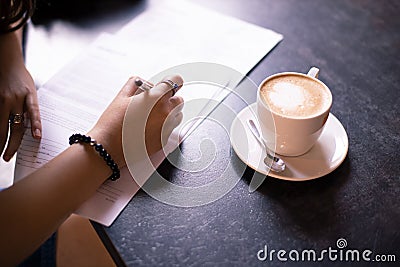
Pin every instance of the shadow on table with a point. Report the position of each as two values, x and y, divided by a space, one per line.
312 205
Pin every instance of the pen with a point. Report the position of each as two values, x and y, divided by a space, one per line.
143 85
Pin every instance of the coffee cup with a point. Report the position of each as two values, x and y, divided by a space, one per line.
292 109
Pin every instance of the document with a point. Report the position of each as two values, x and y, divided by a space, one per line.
73 99
188 32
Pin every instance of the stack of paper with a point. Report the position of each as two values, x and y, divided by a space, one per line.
160 38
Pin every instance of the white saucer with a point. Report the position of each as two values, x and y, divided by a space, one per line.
325 156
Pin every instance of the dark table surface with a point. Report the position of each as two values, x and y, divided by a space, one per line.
356 44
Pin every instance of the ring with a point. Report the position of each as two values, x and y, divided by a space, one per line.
16 118
143 85
174 86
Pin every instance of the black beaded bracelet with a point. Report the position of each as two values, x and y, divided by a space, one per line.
80 138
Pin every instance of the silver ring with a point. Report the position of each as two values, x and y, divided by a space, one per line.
16 118
174 86
143 85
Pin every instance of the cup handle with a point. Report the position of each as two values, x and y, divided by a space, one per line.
313 72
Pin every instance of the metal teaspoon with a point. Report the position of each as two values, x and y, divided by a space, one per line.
276 163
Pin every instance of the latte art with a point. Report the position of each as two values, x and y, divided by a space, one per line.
295 96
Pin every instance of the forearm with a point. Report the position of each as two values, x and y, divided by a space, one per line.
33 208
11 47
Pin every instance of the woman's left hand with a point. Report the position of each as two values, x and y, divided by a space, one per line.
18 99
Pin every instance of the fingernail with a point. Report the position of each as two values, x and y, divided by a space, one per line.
38 133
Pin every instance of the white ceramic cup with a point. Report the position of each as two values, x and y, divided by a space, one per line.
288 135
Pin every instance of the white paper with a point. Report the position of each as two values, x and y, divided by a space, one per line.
75 97
70 103
185 32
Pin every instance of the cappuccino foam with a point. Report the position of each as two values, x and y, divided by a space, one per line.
295 96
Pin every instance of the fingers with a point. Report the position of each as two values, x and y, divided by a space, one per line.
176 106
178 119
176 101
4 113
175 109
171 122
32 107
16 134
172 105
174 117
165 85
130 88
17 131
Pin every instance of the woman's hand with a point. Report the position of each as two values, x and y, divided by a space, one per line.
108 130
17 96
